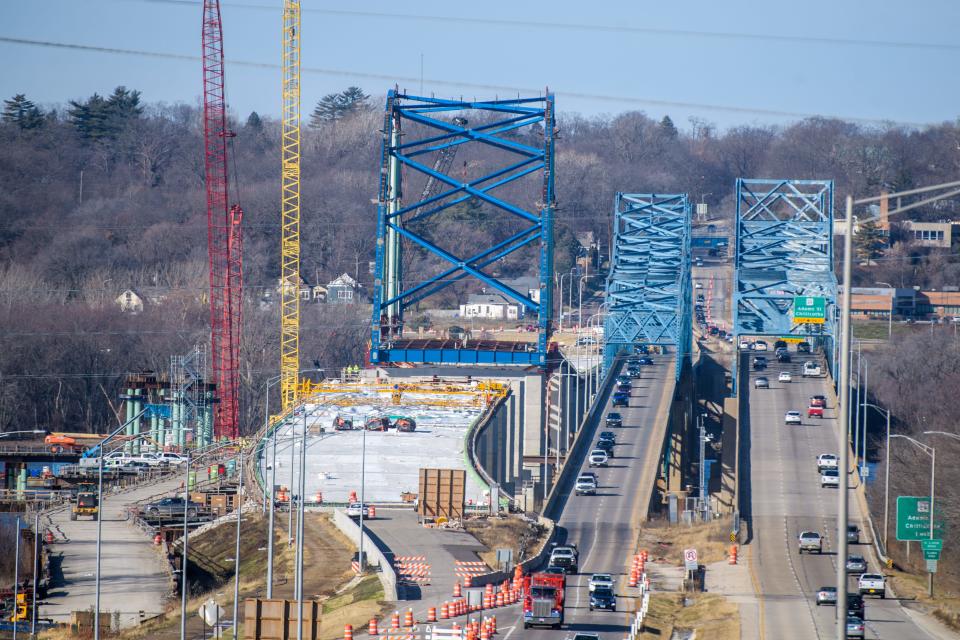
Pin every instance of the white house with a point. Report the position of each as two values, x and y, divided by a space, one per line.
130 301
491 306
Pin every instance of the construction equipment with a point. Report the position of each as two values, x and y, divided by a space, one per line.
85 503
290 208
224 243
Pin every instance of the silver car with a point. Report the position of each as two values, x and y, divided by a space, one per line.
827 595
856 564
761 383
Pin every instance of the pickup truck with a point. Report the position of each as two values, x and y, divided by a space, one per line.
810 541
873 584
565 557
826 461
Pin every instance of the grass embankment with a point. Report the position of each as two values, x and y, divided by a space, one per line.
945 604
506 532
666 543
711 616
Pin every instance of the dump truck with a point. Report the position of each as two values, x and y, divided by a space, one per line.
543 602
85 504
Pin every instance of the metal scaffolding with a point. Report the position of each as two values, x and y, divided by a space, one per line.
521 133
191 404
648 290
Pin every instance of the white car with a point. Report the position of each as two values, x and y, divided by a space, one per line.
784 377
792 417
586 484
827 461
759 345
745 345
811 368
698 286
602 581
598 458
829 478
171 458
354 509
151 459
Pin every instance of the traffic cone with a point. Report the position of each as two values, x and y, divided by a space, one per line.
348 632
644 555
408 618
484 632
432 614
395 620
318 498
466 580
353 497
733 554
633 578
372 510
457 590
493 625
157 539
499 601
488 590
471 634
372 629
517 572
444 611
455 627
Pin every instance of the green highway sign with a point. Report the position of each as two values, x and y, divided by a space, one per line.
932 548
809 309
913 519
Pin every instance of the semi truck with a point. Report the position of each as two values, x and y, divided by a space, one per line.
543 602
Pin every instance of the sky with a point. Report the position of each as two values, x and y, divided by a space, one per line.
727 63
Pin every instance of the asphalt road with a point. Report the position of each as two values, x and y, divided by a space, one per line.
786 498
604 527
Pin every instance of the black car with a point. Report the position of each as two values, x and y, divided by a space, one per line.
603 599
606 445
608 435
621 399
646 361
783 356
641 348
855 605
759 363
779 344
614 419
803 347
634 372
624 387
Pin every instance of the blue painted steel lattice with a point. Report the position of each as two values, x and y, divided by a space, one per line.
517 136
648 291
784 248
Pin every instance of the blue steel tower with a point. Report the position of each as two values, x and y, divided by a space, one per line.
514 140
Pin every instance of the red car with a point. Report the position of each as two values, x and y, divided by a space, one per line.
815 412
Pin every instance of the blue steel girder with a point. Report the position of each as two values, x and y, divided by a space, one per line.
435 129
784 248
648 290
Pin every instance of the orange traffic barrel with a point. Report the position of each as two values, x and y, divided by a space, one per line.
348 632
457 590
373 630
408 618
444 611
395 620
432 614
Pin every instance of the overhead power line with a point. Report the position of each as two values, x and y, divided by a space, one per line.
457 84
599 28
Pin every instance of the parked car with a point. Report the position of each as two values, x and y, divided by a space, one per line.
761 383
172 507
354 509
792 417
784 376
172 458
586 340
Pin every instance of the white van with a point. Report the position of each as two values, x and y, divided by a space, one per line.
811 369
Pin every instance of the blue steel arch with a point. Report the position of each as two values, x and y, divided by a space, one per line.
648 290
496 122
784 249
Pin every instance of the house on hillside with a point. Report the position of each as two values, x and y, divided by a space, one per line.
130 301
343 290
490 306
307 293
527 285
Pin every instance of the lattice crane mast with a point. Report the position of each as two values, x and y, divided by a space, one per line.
224 239
290 208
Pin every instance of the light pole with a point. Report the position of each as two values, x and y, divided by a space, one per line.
886 482
183 557
866 397
930 451
363 488
36 558
16 578
236 554
562 276
844 440
300 510
580 305
893 299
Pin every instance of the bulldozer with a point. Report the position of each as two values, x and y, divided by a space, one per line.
85 504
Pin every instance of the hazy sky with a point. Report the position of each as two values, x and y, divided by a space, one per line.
733 62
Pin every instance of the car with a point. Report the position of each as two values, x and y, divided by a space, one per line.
780 344
603 599
746 345
623 379
856 564
645 361
829 478
827 461
605 445
608 435
784 376
151 459
811 369
854 627
624 387
354 509
600 581
855 605
585 341
722 334
853 534
803 347
872 584
714 330
133 467
761 383
621 399
598 458
555 570
633 372
172 458
698 262
810 541
700 297
614 419
172 507
586 485
698 286
814 412
759 345
827 595
792 417
759 363
641 348
783 356
818 401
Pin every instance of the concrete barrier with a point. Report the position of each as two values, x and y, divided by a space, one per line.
387 574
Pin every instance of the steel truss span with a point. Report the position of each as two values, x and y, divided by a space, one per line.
784 249
648 290
507 150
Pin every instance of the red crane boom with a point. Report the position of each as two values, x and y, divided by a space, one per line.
223 232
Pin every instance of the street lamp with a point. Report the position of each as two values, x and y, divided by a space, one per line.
562 276
930 451
580 305
886 483
893 299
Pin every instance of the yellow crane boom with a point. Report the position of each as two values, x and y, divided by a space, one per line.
290 208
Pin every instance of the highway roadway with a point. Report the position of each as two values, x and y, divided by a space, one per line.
786 498
605 526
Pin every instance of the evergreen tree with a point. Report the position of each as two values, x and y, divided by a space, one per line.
869 241
22 112
90 118
254 122
334 106
669 128
124 105
354 99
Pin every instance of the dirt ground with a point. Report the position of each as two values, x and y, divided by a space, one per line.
712 616
945 605
506 532
666 543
